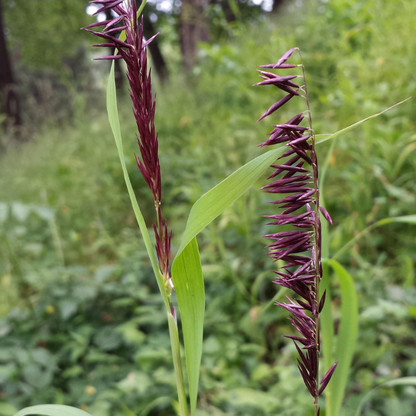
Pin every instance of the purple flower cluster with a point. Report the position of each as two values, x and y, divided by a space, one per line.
134 52
295 179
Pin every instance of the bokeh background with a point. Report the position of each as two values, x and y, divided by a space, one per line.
81 320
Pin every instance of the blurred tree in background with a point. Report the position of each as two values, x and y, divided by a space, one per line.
47 54
9 100
44 50
44 32
194 28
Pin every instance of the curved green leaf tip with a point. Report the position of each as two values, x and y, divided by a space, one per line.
216 200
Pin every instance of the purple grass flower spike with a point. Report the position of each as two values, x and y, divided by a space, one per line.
295 179
134 52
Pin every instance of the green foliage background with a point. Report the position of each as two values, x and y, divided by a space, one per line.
45 30
83 322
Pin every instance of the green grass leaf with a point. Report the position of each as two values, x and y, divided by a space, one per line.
115 127
216 200
189 287
403 381
345 340
186 268
52 410
406 219
354 125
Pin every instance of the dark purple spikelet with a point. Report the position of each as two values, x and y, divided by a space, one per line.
134 52
295 179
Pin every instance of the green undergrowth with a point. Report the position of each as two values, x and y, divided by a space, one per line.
82 321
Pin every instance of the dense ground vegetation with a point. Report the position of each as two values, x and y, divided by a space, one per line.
82 321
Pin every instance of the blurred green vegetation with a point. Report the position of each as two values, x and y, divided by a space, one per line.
82 322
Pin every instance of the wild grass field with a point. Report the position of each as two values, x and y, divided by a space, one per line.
81 320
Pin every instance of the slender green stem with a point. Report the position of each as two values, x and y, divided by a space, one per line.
352 126
177 364
316 229
364 232
326 319
160 278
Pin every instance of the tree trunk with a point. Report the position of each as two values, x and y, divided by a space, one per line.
230 16
9 103
277 4
194 28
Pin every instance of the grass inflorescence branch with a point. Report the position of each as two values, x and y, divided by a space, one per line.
133 50
295 179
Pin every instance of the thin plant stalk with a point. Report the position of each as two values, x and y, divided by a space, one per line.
317 231
131 47
296 178
177 364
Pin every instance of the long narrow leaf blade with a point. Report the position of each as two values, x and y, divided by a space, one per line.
406 219
52 410
346 338
215 201
115 127
189 287
186 268
353 126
